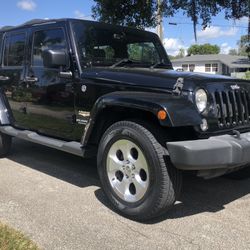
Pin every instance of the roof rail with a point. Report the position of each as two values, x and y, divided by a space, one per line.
31 22
35 21
6 28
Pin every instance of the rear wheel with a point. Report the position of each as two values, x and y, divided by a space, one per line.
5 144
133 172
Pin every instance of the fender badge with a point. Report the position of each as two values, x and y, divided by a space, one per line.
234 87
178 86
84 88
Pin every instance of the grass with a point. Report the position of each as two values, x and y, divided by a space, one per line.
11 239
248 75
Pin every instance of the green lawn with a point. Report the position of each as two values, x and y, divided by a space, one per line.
11 239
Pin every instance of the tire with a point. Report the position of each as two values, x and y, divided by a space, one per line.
5 145
243 173
134 174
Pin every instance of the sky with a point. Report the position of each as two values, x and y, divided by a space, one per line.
222 32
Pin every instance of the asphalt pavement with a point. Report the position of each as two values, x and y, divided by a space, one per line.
55 198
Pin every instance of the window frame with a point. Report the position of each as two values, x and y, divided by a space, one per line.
5 37
191 66
186 67
46 28
215 67
208 67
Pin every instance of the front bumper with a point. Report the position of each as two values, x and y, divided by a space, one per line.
218 152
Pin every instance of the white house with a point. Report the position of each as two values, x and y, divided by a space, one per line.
214 64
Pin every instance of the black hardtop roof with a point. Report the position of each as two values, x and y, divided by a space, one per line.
34 22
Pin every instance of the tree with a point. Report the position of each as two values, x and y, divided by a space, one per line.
203 49
243 44
181 53
143 13
233 52
140 13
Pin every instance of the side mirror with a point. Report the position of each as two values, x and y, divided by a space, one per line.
55 58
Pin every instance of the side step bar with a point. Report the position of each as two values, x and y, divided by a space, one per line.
69 147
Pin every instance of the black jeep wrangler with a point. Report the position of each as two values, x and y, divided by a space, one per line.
93 89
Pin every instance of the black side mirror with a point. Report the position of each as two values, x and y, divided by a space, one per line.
55 58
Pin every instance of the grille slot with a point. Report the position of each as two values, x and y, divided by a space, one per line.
232 107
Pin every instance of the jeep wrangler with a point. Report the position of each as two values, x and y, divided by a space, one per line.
110 92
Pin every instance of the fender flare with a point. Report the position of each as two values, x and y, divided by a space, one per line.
180 111
6 116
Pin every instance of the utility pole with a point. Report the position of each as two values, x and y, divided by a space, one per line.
159 21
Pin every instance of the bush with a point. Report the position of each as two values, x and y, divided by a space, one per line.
248 75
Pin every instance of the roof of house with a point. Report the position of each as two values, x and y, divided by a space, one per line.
229 60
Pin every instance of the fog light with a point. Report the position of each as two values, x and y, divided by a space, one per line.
204 125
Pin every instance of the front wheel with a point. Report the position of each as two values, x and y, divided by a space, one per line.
133 172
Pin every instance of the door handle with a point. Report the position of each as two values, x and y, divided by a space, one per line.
4 78
30 79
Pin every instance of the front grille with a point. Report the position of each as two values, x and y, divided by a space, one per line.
232 107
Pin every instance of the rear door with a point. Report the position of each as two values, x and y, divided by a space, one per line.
12 70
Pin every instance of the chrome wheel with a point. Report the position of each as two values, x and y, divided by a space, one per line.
127 170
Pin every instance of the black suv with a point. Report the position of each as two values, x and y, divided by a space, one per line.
93 89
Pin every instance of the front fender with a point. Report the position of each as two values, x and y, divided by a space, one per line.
180 111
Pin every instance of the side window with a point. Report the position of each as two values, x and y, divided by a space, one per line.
14 49
53 39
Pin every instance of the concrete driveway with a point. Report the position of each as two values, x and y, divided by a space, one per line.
55 198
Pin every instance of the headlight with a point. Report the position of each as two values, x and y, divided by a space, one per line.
201 99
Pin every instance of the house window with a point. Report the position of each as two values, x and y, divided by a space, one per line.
207 67
191 67
185 67
215 67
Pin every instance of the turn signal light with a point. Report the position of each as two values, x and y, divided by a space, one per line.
162 115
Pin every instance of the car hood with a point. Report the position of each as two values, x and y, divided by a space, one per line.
160 78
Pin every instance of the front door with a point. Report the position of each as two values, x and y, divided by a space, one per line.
50 109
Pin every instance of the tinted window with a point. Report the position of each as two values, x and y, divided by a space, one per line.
53 39
14 50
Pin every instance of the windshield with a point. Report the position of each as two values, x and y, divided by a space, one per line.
106 45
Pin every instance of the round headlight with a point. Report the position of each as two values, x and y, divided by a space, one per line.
201 99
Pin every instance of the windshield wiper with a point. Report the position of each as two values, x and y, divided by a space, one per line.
160 64
123 61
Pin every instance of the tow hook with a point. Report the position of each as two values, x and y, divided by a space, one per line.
236 134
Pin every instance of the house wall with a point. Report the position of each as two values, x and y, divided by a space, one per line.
199 66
